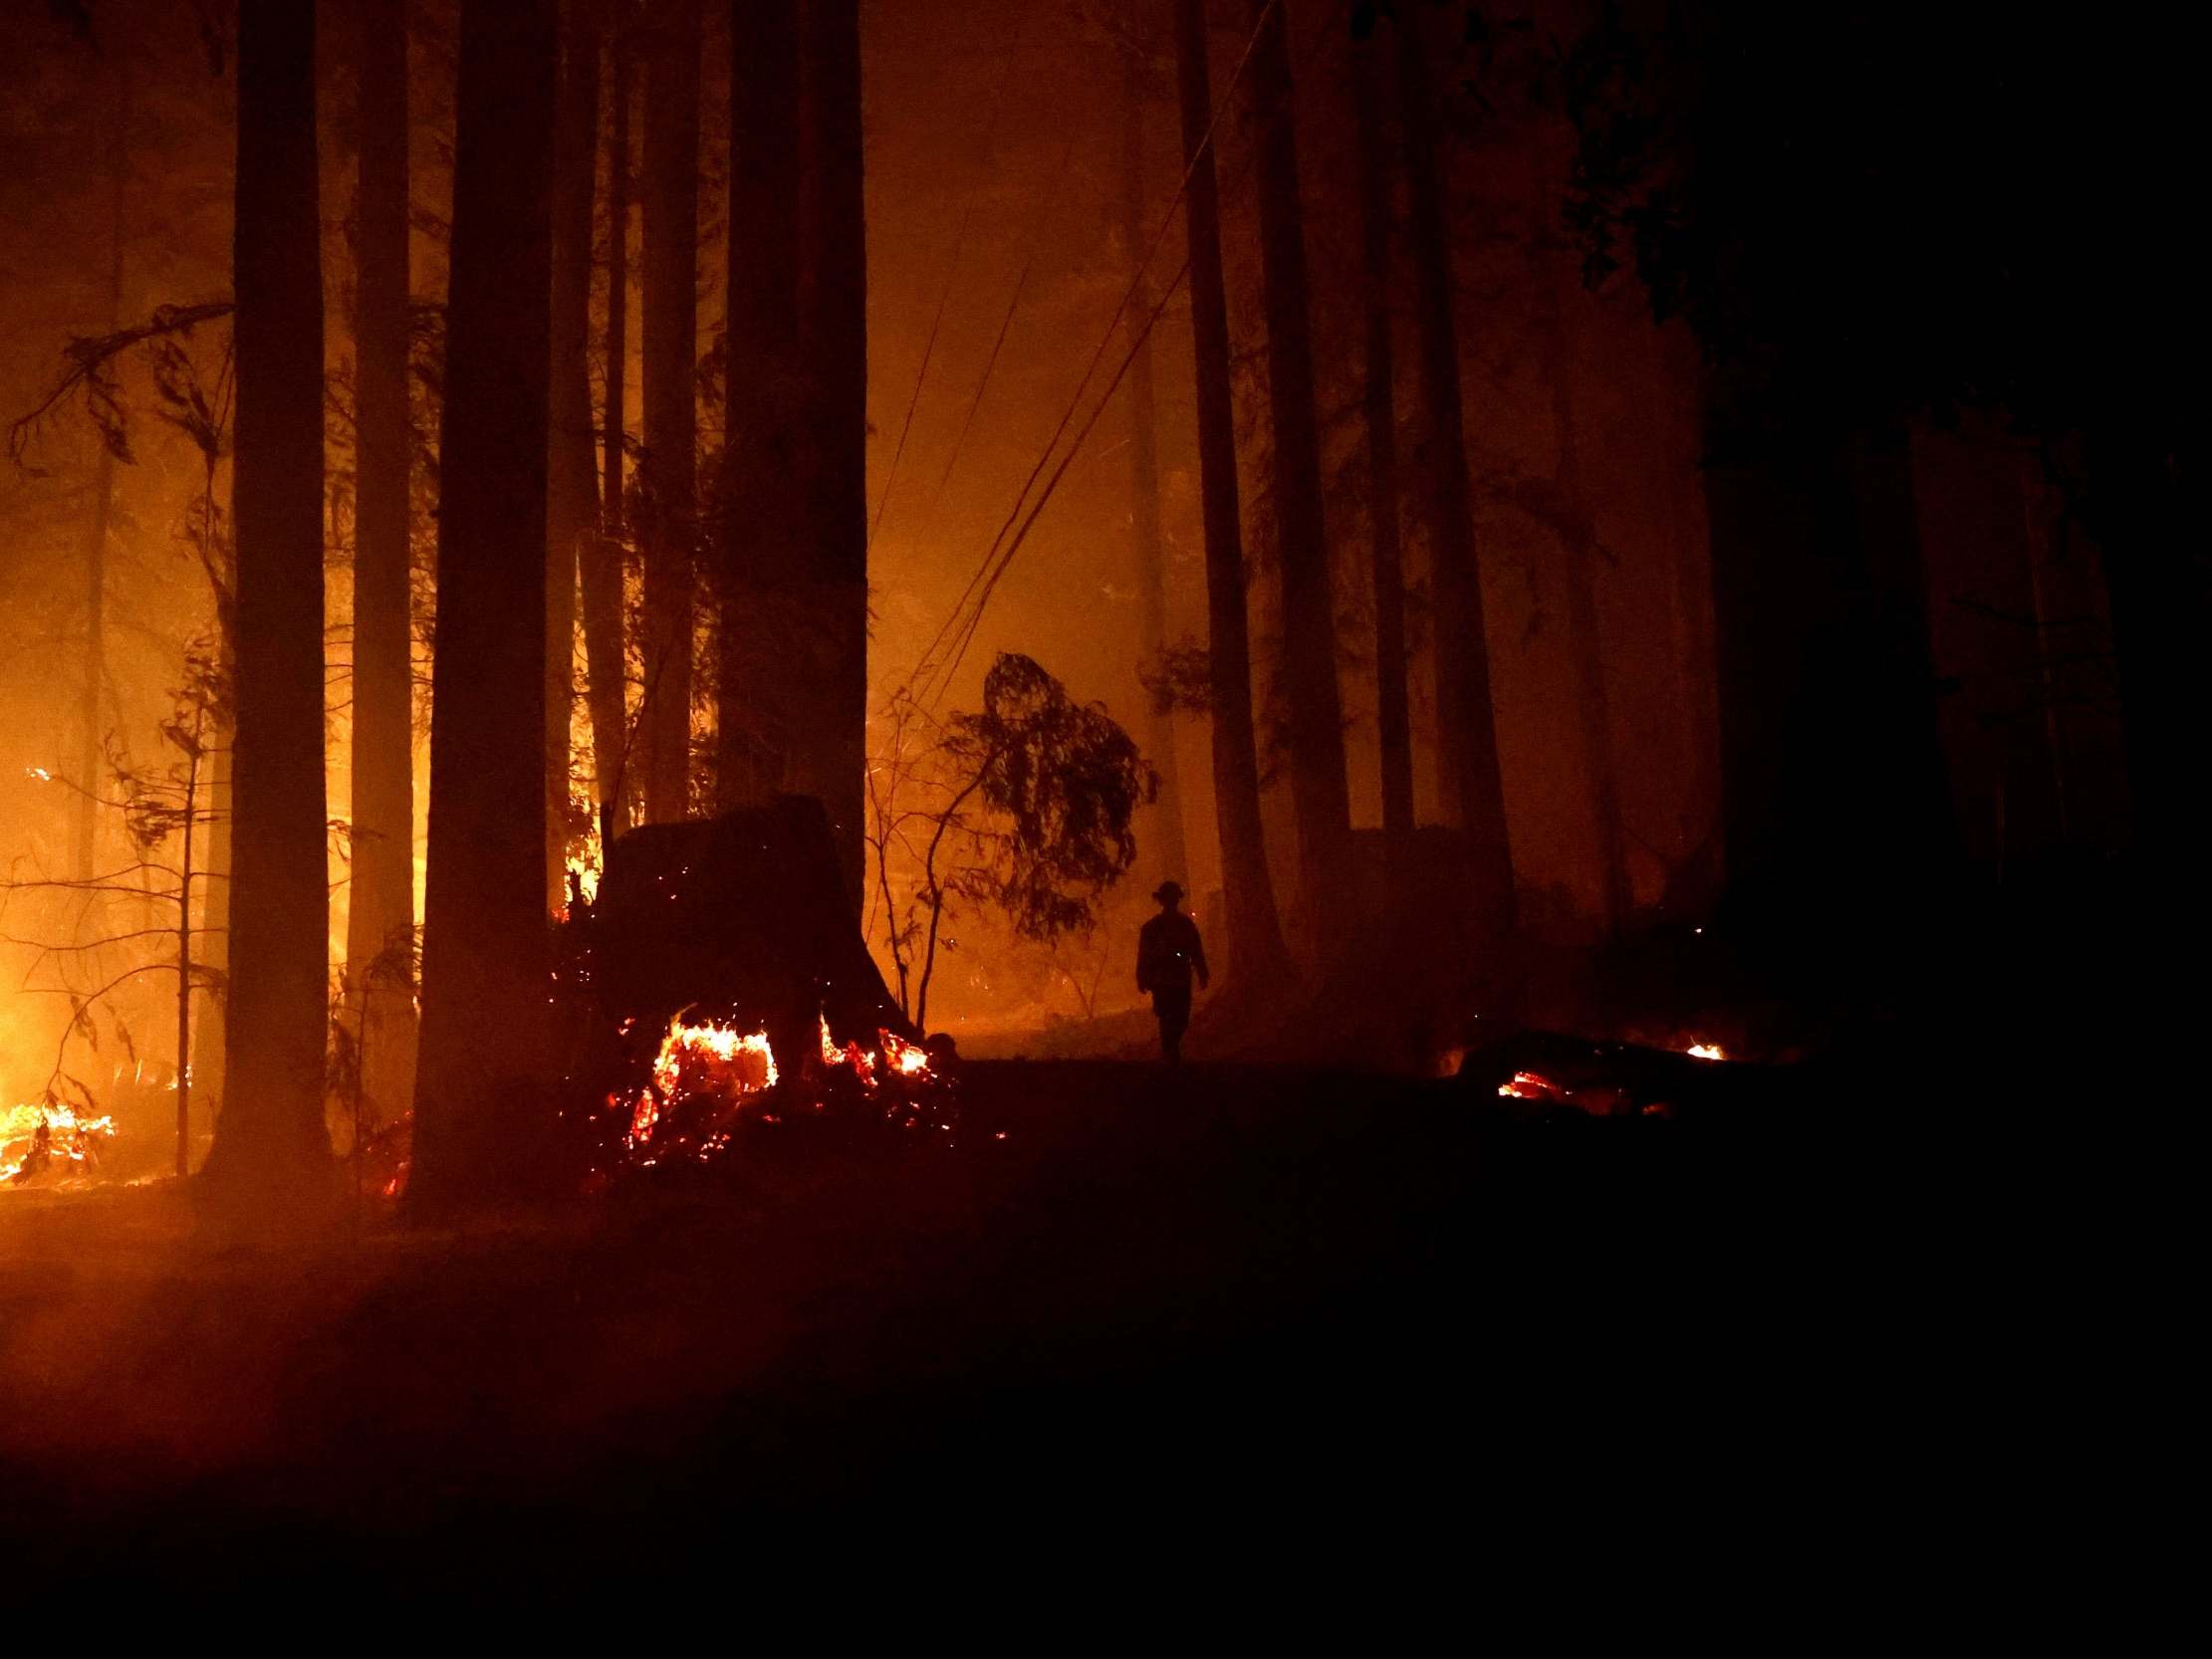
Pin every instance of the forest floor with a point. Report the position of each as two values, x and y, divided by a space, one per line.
1211 1311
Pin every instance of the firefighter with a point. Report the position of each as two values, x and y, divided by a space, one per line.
1168 953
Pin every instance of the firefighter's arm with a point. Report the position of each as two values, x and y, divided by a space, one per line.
1199 958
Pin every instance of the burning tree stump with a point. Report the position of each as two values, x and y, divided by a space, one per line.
720 968
744 918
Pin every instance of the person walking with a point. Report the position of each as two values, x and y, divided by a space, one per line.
1170 954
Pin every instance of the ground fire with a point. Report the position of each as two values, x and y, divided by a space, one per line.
50 1139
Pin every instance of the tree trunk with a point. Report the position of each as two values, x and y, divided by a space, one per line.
1393 719
484 948
601 555
1578 540
84 806
271 1156
1256 956
1695 884
1837 803
1472 787
829 728
671 465
571 485
1171 858
1319 792
381 905
761 546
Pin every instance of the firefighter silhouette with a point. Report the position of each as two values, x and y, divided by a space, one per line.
1170 954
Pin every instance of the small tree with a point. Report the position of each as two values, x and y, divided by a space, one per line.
1024 807
166 805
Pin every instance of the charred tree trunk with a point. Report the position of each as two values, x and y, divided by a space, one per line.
1393 719
1256 956
761 547
830 727
671 465
380 918
601 555
1473 789
1319 790
1170 857
271 1156
571 484
484 955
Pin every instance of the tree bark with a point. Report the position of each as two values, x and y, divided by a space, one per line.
605 666
1472 787
1256 956
271 1154
1319 794
1171 858
829 728
380 901
761 547
1393 718
484 956
572 490
671 465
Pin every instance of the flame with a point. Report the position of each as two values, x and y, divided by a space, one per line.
706 1071
583 865
1706 1051
31 1136
908 1060
714 1048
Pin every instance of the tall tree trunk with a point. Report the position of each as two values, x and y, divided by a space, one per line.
1256 956
601 555
381 905
761 546
271 1156
1578 539
1171 858
572 486
671 466
484 948
830 731
1319 794
1837 802
1393 718
1473 789
85 807
1691 605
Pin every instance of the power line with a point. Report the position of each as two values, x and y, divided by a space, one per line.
952 269
927 671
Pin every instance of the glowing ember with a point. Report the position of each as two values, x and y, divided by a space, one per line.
1705 1050
1528 1086
34 1139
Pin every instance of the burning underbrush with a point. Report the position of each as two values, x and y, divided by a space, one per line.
53 1141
